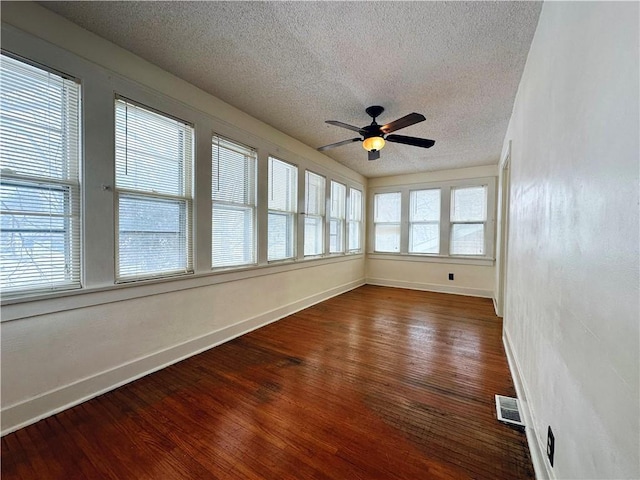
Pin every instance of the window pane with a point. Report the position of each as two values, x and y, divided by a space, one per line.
152 236
154 152
283 186
233 172
424 238
467 239
233 236
338 200
469 204
40 122
233 186
355 205
336 236
354 236
280 236
39 183
313 235
315 193
387 238
425 206
387 207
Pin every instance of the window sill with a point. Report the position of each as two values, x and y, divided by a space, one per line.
406 257
51 302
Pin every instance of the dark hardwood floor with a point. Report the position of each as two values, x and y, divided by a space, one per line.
378 383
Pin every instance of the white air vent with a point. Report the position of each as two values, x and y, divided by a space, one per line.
508 410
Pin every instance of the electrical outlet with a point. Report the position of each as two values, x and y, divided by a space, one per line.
551 445
451 276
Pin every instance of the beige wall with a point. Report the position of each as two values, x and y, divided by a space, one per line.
471 277
572 324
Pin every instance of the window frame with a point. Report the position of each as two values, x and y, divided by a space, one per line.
453 223
357 221
71 187
375 224
291 216
186 199
252 207
412 223
321 218
445 223
340 221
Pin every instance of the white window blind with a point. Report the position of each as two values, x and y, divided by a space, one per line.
354 220
468 220
314 214
424 221
39 182
283 201
233 192
154 158
386 220
337 217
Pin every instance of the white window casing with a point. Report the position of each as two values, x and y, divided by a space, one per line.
442 220
337 217
386 222
40 147
154 162
282 210
314 214
354 221
424 221
468 215
233 192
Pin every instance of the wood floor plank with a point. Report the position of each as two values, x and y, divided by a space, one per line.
377 383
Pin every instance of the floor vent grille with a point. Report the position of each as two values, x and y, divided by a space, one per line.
508 410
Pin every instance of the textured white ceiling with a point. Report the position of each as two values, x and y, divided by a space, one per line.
295 64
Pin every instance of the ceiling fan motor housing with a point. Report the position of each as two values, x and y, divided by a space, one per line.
374 111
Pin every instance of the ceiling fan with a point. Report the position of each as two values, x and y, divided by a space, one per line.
373 136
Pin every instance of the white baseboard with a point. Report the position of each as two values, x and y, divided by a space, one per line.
431 287
537 448
49 403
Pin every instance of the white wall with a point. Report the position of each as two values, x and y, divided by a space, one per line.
59 350
471 276
572 316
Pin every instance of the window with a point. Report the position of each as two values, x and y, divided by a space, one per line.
154 157
283 199
424 221
386 220
233 192
445 219
39 183
337 217
314 214
468 219
354 220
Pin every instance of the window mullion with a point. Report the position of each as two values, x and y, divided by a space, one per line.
445 219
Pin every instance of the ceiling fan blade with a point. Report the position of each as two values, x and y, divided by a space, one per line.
343 125
374 154
338 144
416 142
403 122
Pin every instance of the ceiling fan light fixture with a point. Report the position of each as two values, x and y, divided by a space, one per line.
373 144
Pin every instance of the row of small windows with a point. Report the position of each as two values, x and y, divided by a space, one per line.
464 224
154 156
